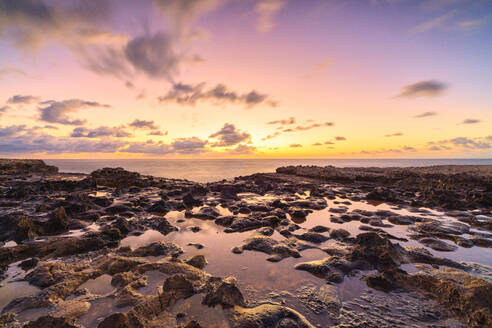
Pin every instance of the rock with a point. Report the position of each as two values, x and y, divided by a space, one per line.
117 209
115 320
312 237
193 324
198 261
465 295
223 292
52 322
25 229
438 245
331 268
160 248
29 264
190 201
268 315
122 279
158 207
402 219
178 286
278 250
127 296
26 166
71 309
58 221
320 299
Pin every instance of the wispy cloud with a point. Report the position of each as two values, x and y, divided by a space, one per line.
191 94
425 114
470 121
396 134
427 88
266 11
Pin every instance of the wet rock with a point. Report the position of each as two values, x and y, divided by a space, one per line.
331 268
127 296
124 278
71 309
382 194
260 243
59 221
191 201
25 229
116 320
198 261
161 248
465 295
52 322
268 315
26 166
241 224
437 244
160 224
196 245
193 324
402 219
159 207
29 263
117 209
312 237
266 231
177 287
320 300
223 292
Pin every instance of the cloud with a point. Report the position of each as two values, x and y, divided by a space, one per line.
148 148
191 145
428 88
266 11
32 144
309 127
58 111
102 131
340 138
157 133
10 131
470 121
182 15
469 143
3 109
295 145
11 71
425 114
142 124
31 23
290 120
317 144
19 99
154 55
329 143
434 23
461 143
229 136
191 94
242 150
296 128
396 134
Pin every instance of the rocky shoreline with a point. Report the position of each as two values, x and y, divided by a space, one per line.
410 246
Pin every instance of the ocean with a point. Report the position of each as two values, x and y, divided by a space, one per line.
209 170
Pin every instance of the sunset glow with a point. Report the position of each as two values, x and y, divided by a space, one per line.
252 79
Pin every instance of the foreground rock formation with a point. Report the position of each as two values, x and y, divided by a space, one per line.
304 247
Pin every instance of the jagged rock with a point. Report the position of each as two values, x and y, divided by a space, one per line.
223 292
198 261
160 248
268 315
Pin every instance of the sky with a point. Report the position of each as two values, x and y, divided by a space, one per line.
246 78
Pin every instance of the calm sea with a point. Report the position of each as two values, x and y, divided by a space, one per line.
208 170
